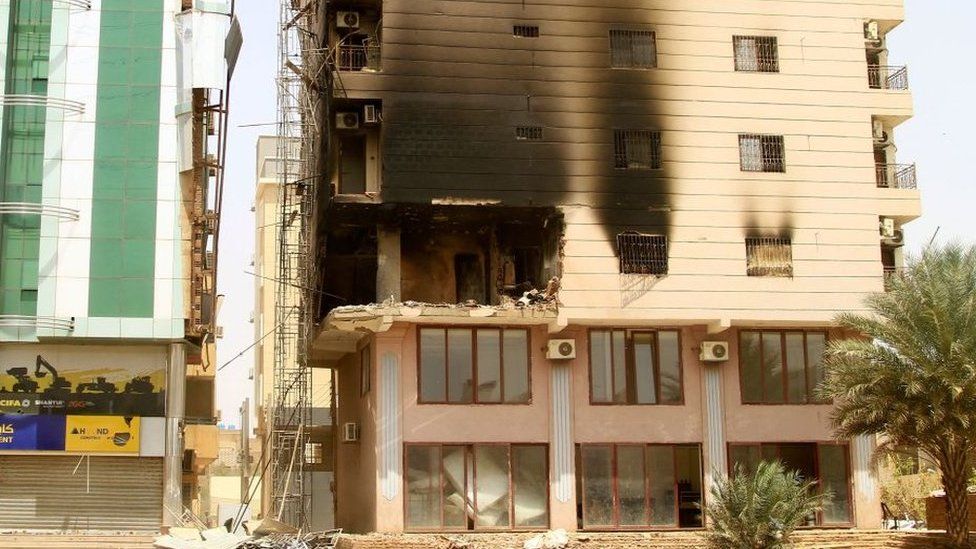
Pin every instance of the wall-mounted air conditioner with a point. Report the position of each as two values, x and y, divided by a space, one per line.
371 114
714 351
561 349
347 121
347 20
350 432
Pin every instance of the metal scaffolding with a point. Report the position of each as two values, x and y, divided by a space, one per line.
300 99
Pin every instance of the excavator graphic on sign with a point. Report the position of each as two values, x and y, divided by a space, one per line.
100 385
58 383
24 383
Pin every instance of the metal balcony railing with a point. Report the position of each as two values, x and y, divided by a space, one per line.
357 58
896 176
890 274
883 77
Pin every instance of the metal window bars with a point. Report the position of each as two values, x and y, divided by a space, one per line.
637 149
769 256
528 133
633 49
525 31
83 4
644 254
47 322
29 100
896 176
891 273
756 53
886 77
45 210
762 153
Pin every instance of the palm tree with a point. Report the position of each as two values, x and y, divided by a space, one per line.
762 509
911 375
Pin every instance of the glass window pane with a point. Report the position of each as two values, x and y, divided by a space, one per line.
433 385
660 474
460 382
816 345
531 490
489 366
597 486
516 366
834 478
620 366
795 369
745 455
630 485
772 367
601 387
423 487
457 496
670 367
750 360
644 368
491 480
688 470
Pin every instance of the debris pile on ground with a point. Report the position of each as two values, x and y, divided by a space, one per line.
263 538
553 539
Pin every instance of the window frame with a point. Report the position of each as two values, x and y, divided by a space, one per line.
816 444
525 31
474 365
764 66
615 491
755 242
655 241
632 32
631 367
810 400
621 160
470 461
768 164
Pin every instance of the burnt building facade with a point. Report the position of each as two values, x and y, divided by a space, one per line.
576 260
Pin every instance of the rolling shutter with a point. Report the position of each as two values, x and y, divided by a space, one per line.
109 493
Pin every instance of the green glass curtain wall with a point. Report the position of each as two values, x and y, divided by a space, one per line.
123 234
22 154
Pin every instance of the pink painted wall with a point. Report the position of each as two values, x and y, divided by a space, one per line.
355 461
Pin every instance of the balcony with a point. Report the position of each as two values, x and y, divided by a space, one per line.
884 77
895 176
891 273
354 58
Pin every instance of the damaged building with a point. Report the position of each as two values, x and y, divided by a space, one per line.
570 264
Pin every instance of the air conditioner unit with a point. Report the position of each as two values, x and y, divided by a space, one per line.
371 114
895 240
887 227
350 432
347 121
219 332
561 349
714 351
347 20
872 31
878 130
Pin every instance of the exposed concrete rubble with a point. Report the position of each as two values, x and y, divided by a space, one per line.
263 538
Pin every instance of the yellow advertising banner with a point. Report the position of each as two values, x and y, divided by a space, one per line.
102 434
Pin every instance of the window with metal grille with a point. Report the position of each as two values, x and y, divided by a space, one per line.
643 253
769 256
525 31
528 133
756 53
633 49
762 153
636 149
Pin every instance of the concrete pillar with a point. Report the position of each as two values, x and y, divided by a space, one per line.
388 263
173 460
715 462
562 500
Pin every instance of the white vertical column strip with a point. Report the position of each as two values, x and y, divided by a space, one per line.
865 480
390 440
562 435
714 423
168 268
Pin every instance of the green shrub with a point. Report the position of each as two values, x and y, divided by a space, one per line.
760 510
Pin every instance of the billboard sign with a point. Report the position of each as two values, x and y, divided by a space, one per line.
102 434
83 381
20 432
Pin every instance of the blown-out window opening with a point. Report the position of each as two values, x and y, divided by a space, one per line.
769 256
756 53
